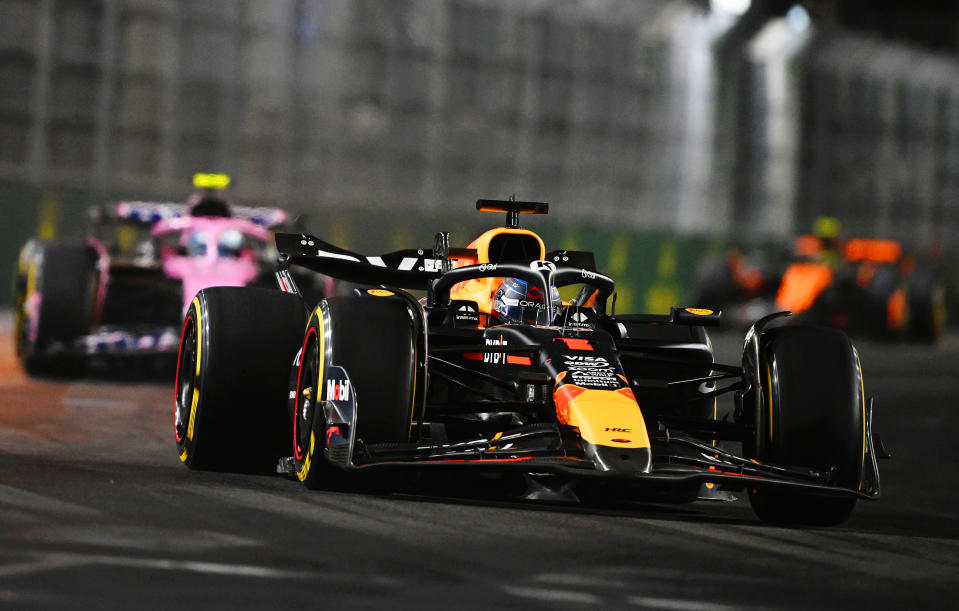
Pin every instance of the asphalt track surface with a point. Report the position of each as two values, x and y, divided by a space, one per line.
96 512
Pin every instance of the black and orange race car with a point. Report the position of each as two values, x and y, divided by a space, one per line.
865 286
494 372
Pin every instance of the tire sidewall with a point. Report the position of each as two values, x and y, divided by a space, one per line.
381 367
813 416
309 459
187 448
815 401
246 340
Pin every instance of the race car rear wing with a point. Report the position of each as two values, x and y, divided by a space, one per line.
405 269
419 268
148 213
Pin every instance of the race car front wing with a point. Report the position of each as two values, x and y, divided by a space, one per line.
677 459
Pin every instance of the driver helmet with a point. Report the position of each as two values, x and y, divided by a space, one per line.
517 302
209 204
210 199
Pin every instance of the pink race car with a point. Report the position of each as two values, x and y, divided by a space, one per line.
123 289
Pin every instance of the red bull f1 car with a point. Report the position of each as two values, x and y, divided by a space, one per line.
516 361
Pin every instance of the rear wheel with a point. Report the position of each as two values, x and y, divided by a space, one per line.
56 300
814 417
927 305
886 308
234 358
374 339
714 284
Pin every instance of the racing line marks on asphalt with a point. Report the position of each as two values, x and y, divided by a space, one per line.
305 510
65 560
847 551
631 579
629 576
342 513
550 595
31 501
141 538
35 566
648 602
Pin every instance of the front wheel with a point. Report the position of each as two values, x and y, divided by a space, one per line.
814 417
235 352
886 307
375 340
927 305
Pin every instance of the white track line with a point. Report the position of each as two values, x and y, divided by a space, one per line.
61 560
679 604
11 497
553 595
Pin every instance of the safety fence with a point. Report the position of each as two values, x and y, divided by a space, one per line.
633 117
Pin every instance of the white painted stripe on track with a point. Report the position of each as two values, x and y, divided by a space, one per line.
625 578
552 595
24 499
31 567
848 551
680 604
61 560
340 511
581 580
137 537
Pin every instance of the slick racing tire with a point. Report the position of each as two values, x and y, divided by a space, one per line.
231 382
714 285
375 340
885 307
55 297
927 306
814 417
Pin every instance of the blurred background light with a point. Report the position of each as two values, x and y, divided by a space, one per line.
732 7
798 18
